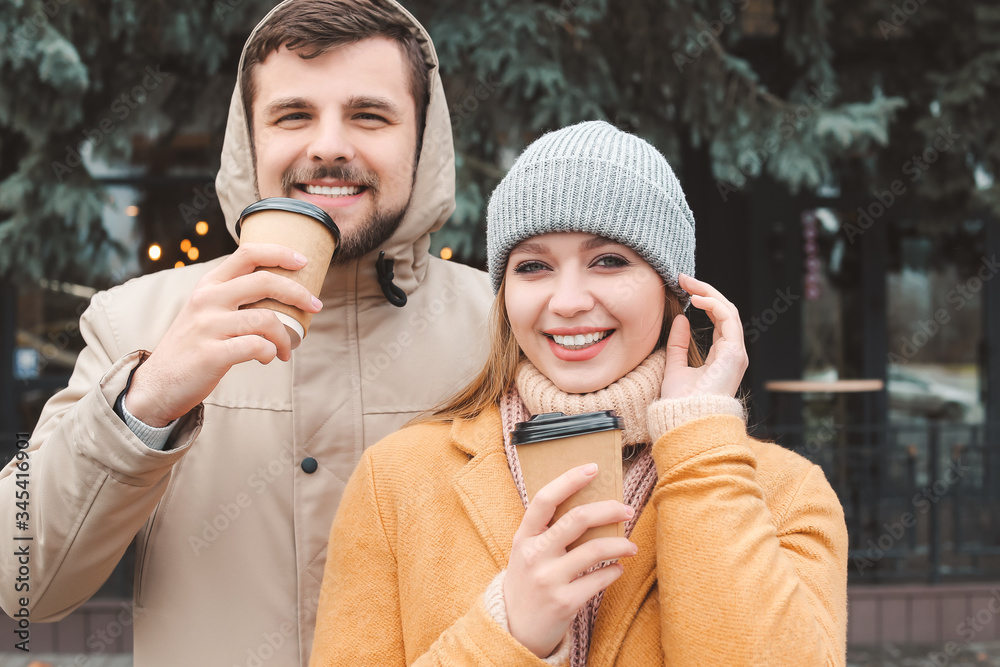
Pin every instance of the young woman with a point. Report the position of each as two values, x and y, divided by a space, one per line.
735 550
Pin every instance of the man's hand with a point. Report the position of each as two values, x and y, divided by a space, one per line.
211 334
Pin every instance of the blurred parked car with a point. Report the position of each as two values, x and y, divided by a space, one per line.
919 396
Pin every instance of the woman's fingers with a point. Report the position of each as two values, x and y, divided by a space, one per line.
593 583
543 505
693 286
577 521
723 315
678 341
727 359
592 552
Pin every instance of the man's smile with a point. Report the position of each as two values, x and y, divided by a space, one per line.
332 191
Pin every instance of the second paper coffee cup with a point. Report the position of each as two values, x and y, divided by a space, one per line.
303 227
550 444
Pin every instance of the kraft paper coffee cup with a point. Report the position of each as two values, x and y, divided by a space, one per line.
550 444
303 227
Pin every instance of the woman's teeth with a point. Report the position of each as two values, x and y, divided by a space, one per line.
332 191
580 341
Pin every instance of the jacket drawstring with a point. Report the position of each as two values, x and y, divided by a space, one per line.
393 293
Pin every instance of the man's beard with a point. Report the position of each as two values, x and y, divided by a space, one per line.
370 233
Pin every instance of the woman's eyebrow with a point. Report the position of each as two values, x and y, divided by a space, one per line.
596 242
531 248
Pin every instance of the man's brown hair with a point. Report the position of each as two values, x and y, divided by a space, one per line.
313 27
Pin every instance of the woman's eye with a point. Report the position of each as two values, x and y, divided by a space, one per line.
611 261
529 266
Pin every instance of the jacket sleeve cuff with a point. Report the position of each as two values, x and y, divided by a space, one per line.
497 607
103 437
669 413
151 436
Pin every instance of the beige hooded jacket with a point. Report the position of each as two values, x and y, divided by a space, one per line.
231 530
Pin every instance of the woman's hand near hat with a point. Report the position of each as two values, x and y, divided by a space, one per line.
543 588
727 358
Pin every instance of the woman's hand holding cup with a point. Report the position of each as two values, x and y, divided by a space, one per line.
543 589
727 358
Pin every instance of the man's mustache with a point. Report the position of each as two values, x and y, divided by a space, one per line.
351 174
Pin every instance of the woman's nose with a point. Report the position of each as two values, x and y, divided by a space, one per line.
571 296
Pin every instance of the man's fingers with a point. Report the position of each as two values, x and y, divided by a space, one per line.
543 505
251 255
254 333
259 285
244 348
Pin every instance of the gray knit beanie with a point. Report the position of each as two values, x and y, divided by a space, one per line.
594 178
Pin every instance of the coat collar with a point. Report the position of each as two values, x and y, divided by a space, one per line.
490 499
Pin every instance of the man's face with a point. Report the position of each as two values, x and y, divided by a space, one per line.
339 131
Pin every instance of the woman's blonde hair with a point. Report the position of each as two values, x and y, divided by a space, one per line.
497 376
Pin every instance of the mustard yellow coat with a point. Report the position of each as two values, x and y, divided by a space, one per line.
742 556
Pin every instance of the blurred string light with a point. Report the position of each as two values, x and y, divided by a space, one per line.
446 253
132 211
193 253
178 264
201 228
155 252
185 245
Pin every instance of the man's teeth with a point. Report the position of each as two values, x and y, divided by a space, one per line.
580 340
333 191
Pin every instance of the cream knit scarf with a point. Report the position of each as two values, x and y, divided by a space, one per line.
630 397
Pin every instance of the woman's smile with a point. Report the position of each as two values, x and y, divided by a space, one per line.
579 346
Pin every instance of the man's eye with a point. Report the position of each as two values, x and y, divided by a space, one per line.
371 116
292 116
611 261
529 266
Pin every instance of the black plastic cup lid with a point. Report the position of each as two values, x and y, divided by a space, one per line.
553 425
292 206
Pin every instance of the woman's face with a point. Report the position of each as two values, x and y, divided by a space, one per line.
585 310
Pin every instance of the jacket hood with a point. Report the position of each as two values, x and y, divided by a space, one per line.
431 203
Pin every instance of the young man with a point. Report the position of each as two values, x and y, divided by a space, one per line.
229 471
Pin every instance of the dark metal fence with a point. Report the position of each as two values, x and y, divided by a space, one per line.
922 501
